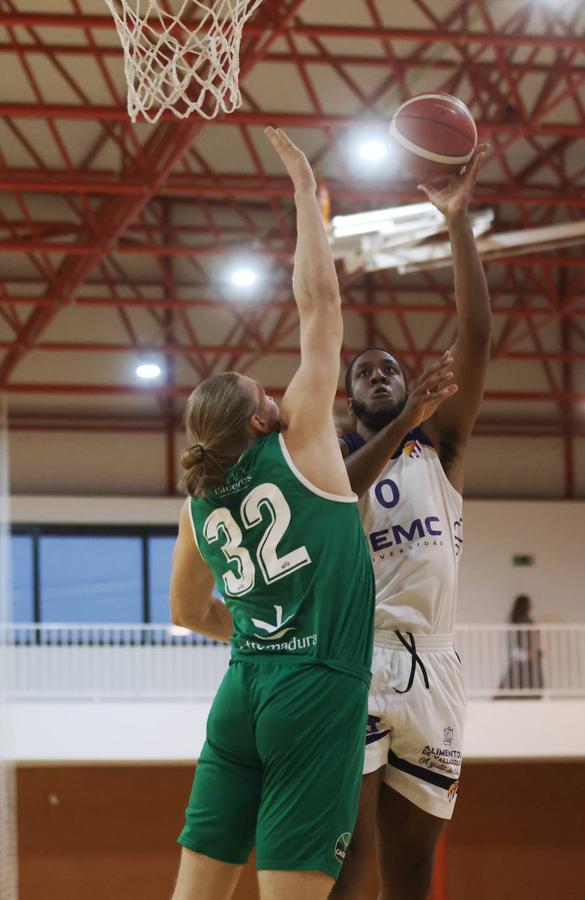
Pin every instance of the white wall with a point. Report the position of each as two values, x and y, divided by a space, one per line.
496 530
92 464
174 732
135 464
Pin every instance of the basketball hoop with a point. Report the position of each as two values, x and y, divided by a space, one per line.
185 62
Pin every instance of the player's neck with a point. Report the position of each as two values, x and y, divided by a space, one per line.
365 431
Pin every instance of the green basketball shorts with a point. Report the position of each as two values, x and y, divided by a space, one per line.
281 767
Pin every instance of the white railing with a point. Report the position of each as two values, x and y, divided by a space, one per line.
523 661
146 662
114 662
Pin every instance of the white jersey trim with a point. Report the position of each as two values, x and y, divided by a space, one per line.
428 154
193 525
457 494
337 498
430 446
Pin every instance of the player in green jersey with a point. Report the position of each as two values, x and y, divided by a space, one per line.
272 520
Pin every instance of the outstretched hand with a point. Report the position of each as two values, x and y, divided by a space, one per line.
455 197
295 161
431 389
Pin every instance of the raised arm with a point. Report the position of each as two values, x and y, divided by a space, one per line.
452 424
192 602
307 406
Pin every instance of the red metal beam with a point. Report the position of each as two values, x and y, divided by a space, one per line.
169 250
380 306
85 112
516 69
195 188
143 282
275 390
273 350
353 32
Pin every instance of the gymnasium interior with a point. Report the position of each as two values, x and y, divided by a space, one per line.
139 258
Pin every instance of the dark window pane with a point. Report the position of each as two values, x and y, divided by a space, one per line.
21 561
160 556
91 579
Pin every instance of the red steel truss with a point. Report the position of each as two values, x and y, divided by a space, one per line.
138 224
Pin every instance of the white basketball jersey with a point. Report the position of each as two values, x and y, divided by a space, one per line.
412 516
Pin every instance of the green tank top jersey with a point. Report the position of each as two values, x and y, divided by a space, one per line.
291 562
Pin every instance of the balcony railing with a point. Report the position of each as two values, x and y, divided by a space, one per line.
507 661
153 662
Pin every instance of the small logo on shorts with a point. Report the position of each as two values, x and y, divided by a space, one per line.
452 792
448 735
341 845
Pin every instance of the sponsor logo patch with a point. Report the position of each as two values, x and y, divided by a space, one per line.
237 480
412 449
452 792
341 845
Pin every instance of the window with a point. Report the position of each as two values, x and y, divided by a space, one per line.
91 578
160 556
22 576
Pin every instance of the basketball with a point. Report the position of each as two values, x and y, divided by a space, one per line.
434 135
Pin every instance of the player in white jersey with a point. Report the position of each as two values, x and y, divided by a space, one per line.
406 464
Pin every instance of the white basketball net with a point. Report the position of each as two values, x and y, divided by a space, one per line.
183 61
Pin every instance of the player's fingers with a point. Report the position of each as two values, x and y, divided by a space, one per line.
434 387
441 380
439 374
478 160
281 143
444 363
425 190
277 142
443 394
287 143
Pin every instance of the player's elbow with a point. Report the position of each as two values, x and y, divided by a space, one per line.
176 616
181 614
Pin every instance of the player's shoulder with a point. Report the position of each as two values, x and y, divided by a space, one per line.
353 441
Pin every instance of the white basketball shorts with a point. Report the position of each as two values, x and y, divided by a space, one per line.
416 714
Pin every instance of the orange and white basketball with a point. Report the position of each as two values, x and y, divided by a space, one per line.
434 135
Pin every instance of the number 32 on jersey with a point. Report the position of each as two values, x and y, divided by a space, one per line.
264 499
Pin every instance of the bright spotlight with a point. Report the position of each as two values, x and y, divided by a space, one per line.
373 151
244 277
148 371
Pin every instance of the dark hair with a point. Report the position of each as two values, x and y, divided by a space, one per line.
349 370
521 609
217 420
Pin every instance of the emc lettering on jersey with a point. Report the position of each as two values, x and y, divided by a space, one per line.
388 496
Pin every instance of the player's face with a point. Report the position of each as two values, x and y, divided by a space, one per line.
378 387
267 415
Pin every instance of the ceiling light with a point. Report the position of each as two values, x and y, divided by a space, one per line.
243 277
373 151
148 370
